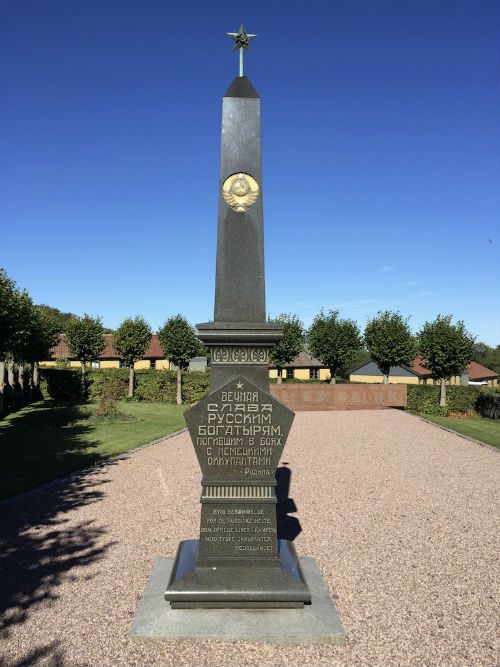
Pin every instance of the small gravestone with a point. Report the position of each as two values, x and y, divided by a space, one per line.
238 432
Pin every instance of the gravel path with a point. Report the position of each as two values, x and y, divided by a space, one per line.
401 517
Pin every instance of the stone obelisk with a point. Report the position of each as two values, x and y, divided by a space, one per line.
239 430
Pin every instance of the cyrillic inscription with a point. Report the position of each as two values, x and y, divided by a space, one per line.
239 432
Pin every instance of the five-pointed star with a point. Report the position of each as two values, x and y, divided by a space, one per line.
239 385
241 39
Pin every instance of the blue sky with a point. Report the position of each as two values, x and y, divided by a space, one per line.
380 155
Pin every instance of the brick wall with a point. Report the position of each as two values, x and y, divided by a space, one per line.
340 396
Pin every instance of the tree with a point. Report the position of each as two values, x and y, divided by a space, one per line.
290 345
62 321
8 295
446 348
487 356
389 341
179 343
43 335
130 342
333 341
22 341
86 342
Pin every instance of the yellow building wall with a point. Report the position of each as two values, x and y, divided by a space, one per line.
163 365
273 372
301 373
378 379
143 363
324 374
109 364
75 364
47 364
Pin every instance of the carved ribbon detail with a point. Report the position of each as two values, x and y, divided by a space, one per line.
240 355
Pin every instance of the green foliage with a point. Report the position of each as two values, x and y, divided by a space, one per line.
389 340
111 383
333 340
291 344
26 333
41 337
24 327
106 407
487 356
157 386
131 339
62 363
8 296
488 404
85 337
195 386
61 321
178 340
447 348
425 398
61 385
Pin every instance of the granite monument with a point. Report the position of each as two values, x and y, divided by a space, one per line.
239 430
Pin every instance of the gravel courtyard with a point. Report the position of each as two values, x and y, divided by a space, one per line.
401 517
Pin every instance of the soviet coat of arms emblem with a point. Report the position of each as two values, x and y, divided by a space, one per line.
240 191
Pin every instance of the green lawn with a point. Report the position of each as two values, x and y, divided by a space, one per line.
47 440
483 429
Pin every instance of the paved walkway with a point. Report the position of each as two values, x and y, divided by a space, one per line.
401 517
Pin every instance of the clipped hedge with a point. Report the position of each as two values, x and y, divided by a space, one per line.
62 385
488 404
112 383
109 383
425 398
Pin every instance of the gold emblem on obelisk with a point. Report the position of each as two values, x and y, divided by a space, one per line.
240 191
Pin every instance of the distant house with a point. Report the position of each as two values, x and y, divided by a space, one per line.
303 367
416 373
153 357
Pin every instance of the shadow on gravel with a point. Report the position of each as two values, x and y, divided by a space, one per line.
49 651
288 526
40 548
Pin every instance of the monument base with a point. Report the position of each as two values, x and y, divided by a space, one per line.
244 586
315 623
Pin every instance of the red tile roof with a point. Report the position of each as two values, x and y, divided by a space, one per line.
303 360
62 351
476 371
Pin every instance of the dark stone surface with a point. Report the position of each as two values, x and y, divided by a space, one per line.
315 623
192 586
239 285
241 87
239 430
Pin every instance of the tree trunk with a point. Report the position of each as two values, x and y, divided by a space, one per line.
82 381
10 376
20 379
280 378
131 380
442 397
36 374
333 376
386 378
179 386
31 373
2 384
